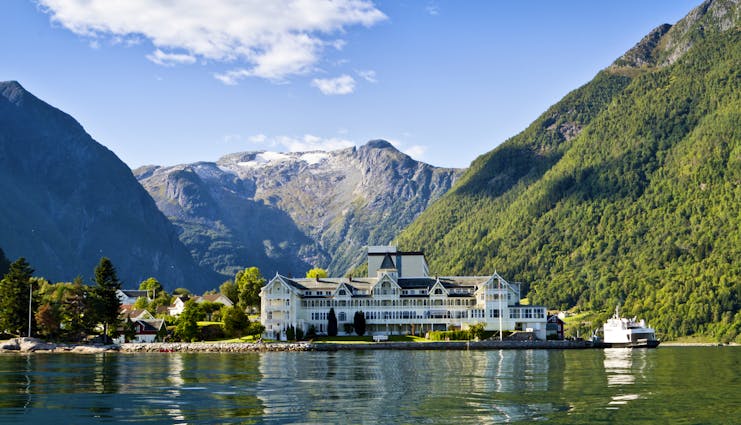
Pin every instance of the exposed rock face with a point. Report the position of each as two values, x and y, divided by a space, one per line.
666 43
289 212
68 201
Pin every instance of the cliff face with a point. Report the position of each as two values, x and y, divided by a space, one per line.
67 201
288 212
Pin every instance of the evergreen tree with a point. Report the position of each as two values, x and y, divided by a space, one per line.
14 294
107 304
331 323
359 323
4 263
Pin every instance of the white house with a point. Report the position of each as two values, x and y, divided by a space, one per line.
399 299
178 304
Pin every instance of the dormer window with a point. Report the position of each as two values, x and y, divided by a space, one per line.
342 292
438 291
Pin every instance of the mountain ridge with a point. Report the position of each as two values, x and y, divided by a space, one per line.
318 207
638 204
67 196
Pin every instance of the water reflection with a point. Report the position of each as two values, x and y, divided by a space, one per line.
622 367
394 386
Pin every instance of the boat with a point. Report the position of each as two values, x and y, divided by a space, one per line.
624 332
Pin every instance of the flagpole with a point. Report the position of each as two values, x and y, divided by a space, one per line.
30 296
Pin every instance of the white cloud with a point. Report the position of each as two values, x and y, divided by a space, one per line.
433 9
313 143
267 39
170 59
306 143
415 151
343 84
368 75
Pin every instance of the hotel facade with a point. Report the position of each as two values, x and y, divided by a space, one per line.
398 297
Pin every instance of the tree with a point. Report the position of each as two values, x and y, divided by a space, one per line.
331 323
153 286
14 294
250 282
187 327
181 291
230 290
236 322
316 273
48 321
4 263
209 308
359 323
107 305
78 318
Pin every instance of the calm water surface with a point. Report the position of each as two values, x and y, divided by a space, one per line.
691 385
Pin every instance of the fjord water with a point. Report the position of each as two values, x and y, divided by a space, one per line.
666 385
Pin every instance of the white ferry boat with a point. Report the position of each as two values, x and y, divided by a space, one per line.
624 332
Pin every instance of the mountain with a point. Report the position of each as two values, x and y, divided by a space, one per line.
68 201
289 212
628 190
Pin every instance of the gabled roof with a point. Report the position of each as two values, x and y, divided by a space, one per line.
134 293
387 263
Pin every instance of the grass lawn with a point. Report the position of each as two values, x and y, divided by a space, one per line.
367 339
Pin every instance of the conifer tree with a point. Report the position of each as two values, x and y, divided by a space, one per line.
359 323
107 305
331 323
14 293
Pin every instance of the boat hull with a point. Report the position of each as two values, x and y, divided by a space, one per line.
642 344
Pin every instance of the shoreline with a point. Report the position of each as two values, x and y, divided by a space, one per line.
33 345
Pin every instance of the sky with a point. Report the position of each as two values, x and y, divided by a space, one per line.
171 82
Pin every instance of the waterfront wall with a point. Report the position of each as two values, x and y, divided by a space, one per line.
30 345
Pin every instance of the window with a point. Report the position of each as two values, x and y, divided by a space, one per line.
494 313
342 316
342 292
438 291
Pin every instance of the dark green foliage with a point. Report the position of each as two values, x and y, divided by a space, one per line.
187 324
230 290
106 303
4 263
358 321
642 207
331 323
311 333
347 328
291 333
255 328
235 321
212 332
14 294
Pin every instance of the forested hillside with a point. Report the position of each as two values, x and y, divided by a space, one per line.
626 191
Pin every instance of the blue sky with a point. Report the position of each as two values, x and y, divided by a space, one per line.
445 81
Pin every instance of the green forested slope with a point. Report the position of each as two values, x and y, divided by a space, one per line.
640 208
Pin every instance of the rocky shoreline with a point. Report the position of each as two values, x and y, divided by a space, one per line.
33 345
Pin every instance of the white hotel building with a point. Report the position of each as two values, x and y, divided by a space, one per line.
397 297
